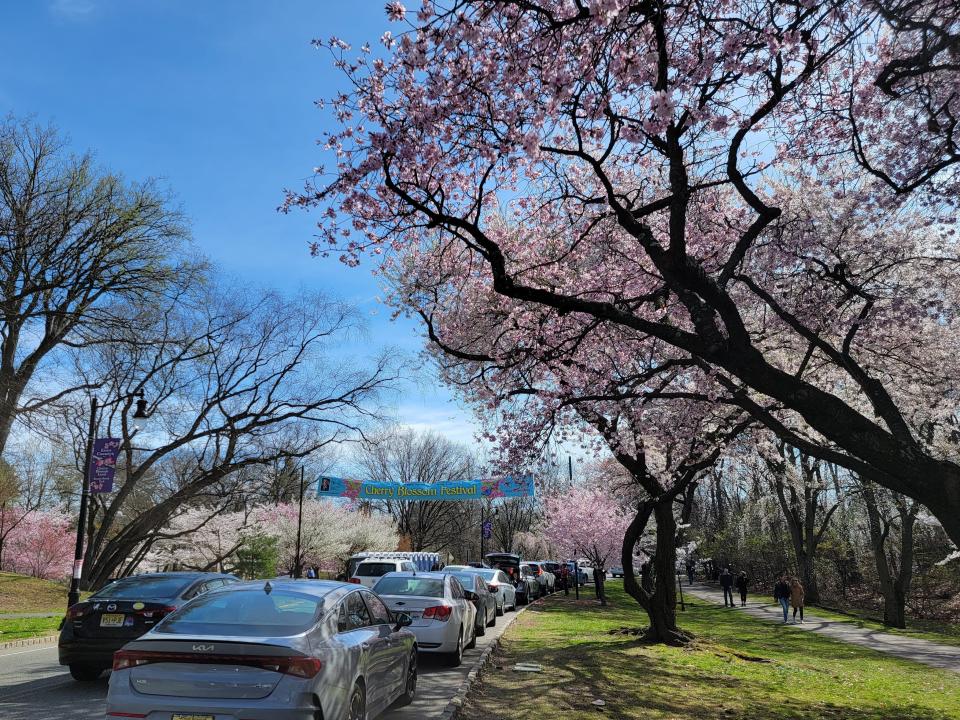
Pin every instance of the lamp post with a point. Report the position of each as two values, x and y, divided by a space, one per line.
297 564
73 597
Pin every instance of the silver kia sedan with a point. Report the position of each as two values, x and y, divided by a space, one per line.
276 650
443 614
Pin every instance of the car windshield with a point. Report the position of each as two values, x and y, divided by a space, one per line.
245 613
375 569
422 587
137 588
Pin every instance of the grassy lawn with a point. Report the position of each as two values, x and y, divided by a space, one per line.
22 594
737 668
21 628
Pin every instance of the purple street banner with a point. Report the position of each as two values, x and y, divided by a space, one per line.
485 489
103 463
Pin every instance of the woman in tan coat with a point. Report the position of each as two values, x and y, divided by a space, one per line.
796 598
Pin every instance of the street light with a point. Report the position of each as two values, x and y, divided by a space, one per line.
73 597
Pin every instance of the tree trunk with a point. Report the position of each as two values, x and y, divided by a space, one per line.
660 604
894 586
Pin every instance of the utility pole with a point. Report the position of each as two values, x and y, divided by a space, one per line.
297 563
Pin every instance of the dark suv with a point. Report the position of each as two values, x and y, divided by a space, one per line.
526 588
122 611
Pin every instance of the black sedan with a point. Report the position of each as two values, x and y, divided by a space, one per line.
123 611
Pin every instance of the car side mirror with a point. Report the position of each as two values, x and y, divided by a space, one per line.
403 620
469 594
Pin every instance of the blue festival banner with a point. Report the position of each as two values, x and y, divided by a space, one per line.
485 489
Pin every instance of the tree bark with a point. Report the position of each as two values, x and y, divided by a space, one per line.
894 582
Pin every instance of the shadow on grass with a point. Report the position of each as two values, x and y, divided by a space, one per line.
737 668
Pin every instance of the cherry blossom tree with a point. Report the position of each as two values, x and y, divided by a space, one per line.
587 523
42 544
331 532
755 188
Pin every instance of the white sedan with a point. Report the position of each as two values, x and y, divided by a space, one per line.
444 619
503 590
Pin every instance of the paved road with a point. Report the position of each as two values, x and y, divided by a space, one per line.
946 657
33 685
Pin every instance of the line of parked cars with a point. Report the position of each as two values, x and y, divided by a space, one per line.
206 646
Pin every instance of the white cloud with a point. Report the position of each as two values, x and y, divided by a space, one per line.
72 9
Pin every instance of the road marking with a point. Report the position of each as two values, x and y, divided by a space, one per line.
24 652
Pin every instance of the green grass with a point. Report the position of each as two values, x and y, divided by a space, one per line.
22 594
738 667
21 628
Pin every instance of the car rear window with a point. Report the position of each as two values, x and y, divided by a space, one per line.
467 579
375 569
422 587
138 588
488 574
245 613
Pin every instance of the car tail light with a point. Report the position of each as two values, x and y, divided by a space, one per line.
492 588
298 665
74 612
438 612
355 581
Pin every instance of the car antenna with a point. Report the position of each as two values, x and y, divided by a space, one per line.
267 587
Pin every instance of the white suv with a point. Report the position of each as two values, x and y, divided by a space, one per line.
371 570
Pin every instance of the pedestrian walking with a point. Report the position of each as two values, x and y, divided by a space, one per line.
796 599
311 574
690 569
726 582
565 578
781 594
742 582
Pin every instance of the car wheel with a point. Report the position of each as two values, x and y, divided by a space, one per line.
456 657
358 704
473 640
501 607
493 620
481 629
85 673
410 689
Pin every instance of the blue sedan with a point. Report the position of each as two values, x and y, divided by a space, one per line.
280 650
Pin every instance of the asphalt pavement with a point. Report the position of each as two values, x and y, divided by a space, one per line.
33 685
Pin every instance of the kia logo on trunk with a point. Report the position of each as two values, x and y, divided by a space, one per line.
203 648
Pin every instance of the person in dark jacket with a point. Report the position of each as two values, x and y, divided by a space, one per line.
781 593
726 582
742 582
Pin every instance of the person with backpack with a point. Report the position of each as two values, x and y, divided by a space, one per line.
742 582
726 582
781 594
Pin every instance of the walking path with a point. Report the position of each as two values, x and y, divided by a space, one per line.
946 657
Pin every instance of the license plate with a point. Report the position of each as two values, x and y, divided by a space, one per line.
190 716
112 620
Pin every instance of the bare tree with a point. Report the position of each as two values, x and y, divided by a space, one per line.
236 381
74 240
403 455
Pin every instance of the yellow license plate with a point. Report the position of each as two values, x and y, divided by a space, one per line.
112 620
189 716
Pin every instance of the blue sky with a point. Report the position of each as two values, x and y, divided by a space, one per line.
216 100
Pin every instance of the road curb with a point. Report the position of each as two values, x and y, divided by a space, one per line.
456 702
26 642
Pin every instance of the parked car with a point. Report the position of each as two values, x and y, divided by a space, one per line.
425 561
369 571
535 588
617 571
444 616
500 586
510 564
483 599
552 567
581 575
124 610
545 578
266 651
587 570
